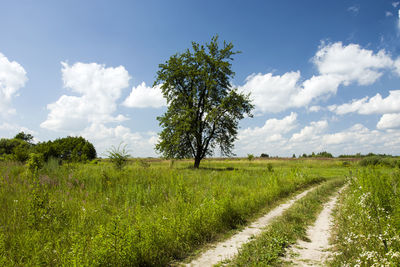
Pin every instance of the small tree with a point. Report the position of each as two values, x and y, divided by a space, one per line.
118 155
250 157
25 137
203 108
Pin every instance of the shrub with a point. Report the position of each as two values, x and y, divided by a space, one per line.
118 156
250 157
35 162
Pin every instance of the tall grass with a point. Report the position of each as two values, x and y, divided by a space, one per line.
78 214
368 220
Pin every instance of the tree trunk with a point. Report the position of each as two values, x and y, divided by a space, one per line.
197 162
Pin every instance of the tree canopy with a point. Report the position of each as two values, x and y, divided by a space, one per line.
203 108
67 149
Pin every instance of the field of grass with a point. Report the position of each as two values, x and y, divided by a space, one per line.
367 231
149 213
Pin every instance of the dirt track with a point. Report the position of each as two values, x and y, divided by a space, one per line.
229 248
315 252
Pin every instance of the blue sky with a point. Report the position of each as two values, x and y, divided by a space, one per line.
324 75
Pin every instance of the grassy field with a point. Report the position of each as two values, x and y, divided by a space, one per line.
368 220
150 213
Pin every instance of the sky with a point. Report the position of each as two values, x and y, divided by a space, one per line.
323 75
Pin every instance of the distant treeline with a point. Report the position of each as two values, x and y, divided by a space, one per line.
70 149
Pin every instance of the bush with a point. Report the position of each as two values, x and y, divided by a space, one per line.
250 157
35 162
264 155
118 156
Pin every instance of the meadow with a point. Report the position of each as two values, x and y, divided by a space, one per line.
149 213
367 231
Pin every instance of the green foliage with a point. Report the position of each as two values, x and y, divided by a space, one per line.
323 154
376 160
24 137
78 214
250 157
35 162
263 155
15 149
203 108
270 168
118 156
70 149
367 231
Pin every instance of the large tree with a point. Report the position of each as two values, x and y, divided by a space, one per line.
203 108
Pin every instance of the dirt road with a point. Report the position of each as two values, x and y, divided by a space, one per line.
229 248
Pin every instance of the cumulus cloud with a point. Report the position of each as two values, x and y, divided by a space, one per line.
103 137
143 96
373 105
270 134
337 65
91 110
388 14
315 138
98 88
389 121
395 4
351 63
12 79
310 132
270 93
271 127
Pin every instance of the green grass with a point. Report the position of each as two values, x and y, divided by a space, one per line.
269 247
150 213
367 231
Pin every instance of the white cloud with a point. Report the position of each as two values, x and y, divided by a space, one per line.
270 93
103 137
310 132
351 63
271 127
98 88
395 4
88 114
397 66
314 138
337 65
389 121
315 108
270 134
373 105
12 78
143 96
388 14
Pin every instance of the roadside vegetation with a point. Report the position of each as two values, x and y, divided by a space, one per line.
269 247
146 213
367 231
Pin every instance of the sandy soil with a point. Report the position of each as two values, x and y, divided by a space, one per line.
315 252
229 248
